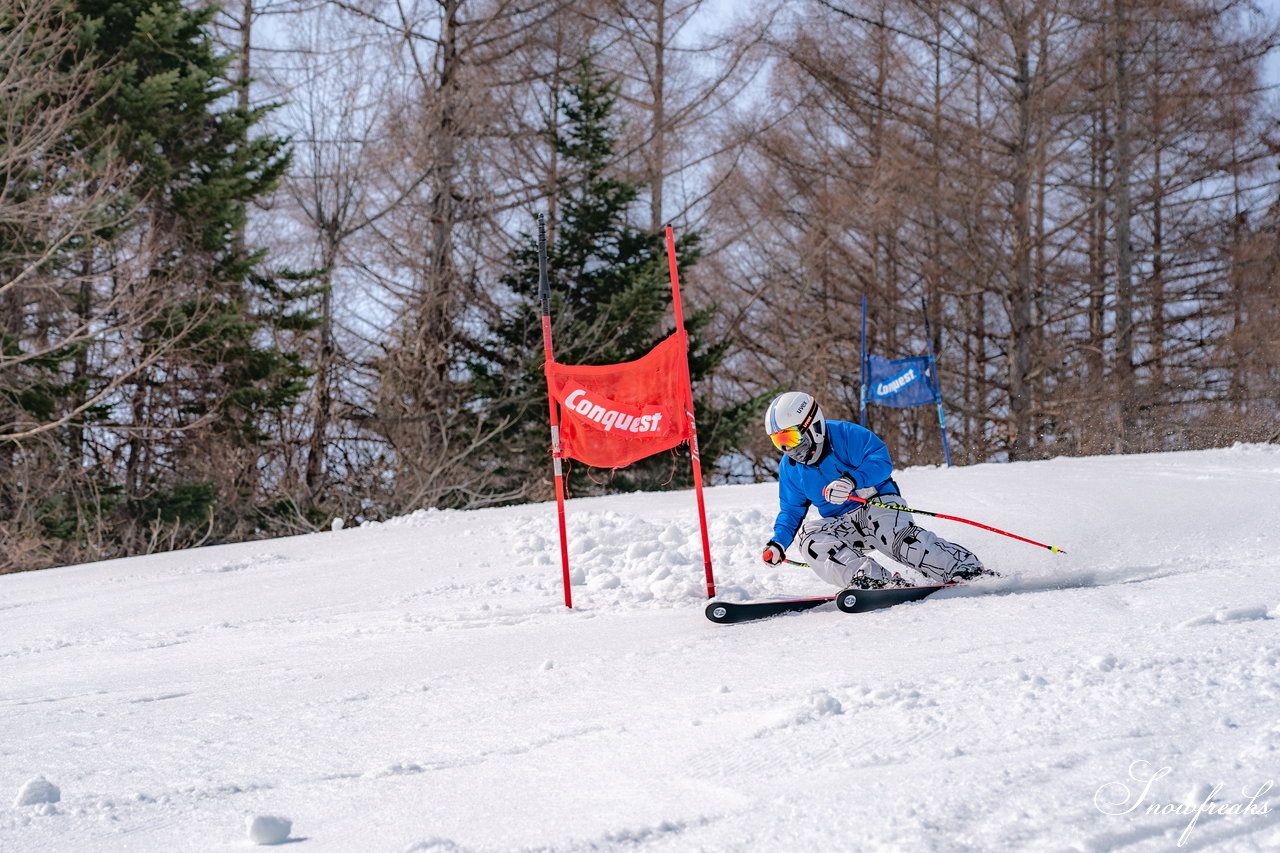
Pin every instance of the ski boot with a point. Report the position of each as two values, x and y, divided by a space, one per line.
968 572
861 580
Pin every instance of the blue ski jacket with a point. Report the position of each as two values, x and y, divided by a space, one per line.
850 449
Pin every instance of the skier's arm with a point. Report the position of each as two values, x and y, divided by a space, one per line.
793 506
867 458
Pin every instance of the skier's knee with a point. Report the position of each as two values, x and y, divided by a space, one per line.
819 547
907 547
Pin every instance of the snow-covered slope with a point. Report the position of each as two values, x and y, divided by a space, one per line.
418 685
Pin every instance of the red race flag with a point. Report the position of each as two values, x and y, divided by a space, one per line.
613 414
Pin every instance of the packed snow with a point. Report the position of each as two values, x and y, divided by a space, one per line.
418 685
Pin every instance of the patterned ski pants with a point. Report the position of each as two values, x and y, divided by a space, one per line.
837 547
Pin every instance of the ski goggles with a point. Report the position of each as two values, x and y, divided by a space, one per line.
787 439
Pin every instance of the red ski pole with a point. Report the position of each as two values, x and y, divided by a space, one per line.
1054 548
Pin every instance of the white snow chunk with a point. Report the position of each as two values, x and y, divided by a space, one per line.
37 791
1224 616
603 581
269 829
823 704
816 706
1199 793
1244 614
337 524
434 845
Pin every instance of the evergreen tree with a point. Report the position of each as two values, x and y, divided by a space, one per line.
53 201
183 439
611 298
199 166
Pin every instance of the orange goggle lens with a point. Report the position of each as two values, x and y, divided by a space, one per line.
786 439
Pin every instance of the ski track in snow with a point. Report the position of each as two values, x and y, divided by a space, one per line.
418 684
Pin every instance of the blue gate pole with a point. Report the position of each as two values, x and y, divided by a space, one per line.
862 389
937 391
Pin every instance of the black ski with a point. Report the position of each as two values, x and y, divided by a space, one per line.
862 600
728 612
849 600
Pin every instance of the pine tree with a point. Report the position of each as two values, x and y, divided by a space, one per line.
182 440
200 166
611 301
53 201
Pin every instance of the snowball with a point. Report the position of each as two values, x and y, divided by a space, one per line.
36 792
1105 663
604 580
269 829
337 524
823 704
1199 794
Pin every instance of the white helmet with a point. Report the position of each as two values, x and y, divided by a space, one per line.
796 426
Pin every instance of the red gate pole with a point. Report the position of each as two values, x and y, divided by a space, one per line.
557 456
688 402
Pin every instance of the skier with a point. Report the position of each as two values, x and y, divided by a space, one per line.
824 463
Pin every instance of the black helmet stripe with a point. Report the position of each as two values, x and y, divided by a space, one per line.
803 426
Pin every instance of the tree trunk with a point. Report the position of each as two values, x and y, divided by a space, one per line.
658 163
1020 287
1123 168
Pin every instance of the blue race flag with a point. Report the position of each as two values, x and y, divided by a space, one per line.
901 382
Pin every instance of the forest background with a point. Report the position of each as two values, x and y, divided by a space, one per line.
268 264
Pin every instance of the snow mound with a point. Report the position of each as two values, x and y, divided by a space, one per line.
36 792
269 829
1238 614
435 845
